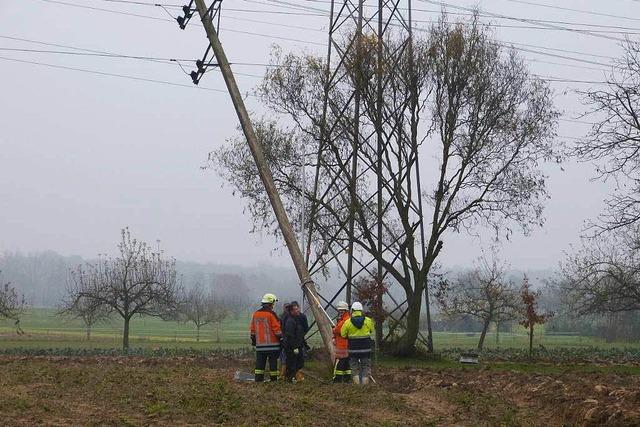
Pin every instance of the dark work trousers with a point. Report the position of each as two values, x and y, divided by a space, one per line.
295 362
342 371
261 363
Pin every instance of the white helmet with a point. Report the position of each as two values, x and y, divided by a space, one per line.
269 299
343 306
356 306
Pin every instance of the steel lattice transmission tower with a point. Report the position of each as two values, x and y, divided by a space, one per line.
366 168
365 212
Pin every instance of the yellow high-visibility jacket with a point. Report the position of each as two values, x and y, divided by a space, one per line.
358 330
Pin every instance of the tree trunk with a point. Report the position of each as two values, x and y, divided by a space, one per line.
407 344
88 332
427 304
197 333
125 335
531 341
378 320
485 328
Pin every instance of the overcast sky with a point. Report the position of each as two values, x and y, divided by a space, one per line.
82 155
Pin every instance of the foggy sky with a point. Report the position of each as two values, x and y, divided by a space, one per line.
83 155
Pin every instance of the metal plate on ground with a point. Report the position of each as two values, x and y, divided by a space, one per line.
244 377
469 358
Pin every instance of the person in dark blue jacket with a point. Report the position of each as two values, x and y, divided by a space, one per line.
294 329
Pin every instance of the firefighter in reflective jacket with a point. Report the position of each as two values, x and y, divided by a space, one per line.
341 371
358 330
265 337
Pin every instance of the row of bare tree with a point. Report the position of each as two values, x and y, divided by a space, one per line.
487 294
136 282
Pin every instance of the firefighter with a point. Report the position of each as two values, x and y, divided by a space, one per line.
341 371
358 330
266 335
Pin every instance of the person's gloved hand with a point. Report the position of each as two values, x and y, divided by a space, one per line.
296 351
253 340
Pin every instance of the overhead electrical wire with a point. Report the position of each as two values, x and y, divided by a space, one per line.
103 55
298 40
231 30
142 3
103 73
110 54
323 12
587 12
117 12
615 28
527 20
547 25
545 78
281 3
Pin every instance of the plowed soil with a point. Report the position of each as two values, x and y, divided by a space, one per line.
187 391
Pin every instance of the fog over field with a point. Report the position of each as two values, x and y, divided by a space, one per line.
84 155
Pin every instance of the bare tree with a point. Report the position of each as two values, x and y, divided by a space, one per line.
12 304
483 293
531 315
202 308
83 308
488 121
137 282
603 276
614 140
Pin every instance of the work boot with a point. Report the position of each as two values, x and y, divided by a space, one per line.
365 380
299 376
356 379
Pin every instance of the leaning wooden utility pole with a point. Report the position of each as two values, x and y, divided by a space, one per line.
321 317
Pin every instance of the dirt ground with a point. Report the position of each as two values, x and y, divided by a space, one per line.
186 391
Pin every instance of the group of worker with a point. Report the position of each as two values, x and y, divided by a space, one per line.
284 338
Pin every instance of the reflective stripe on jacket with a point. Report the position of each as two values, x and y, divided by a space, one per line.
358 330
265 327
341 343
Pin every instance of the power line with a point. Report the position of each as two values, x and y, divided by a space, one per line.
322 44
104 55
526 20
553 49
98 52
117 12
545 78
114 54
554 79
296 40
414 9
289 5
587 12
102 73
142 3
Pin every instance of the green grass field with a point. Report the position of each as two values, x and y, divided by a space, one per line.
43 329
